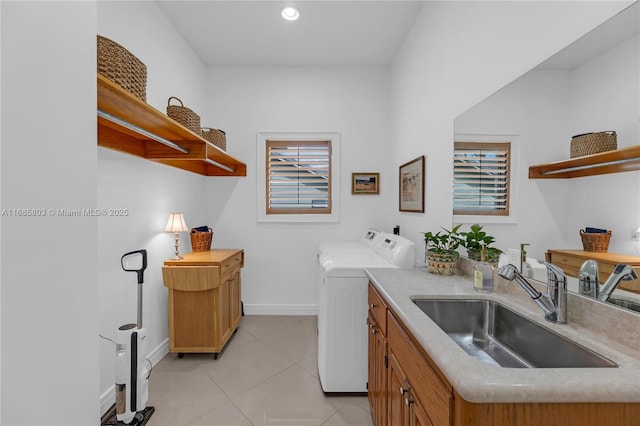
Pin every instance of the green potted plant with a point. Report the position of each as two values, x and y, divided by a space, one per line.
441 250
475 239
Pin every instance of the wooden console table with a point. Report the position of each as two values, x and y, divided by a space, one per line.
571 260
204 300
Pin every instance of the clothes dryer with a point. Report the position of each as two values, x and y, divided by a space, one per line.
342 309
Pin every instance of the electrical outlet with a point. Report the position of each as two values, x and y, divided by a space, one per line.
635 235
514 257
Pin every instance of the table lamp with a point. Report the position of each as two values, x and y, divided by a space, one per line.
176 224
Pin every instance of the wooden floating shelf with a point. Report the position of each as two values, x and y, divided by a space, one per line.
616 161
130 125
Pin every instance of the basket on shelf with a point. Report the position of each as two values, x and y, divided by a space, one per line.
183 115
216 137
597 242
593 143
120 66
201 240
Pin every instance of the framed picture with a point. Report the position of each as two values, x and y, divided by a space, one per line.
365 183
412 186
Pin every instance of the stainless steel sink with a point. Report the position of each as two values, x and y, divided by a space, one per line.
496 335
629 304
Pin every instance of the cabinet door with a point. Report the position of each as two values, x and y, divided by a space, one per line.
372 385
377 387
236 299
417 414
435 396
223 316
398 394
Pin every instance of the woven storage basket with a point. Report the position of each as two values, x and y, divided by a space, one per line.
216 137
183 115
593 143
201 241
595 242
120 66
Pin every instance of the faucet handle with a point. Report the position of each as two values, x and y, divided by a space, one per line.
555 274
589 279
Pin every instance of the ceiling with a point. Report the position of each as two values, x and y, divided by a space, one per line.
328 33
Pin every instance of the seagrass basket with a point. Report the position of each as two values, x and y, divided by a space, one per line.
201 241
593 143
183 115
216 137
595 242
120 66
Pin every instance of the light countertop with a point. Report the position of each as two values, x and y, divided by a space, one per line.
479 382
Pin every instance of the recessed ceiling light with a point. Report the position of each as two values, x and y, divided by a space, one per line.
290 13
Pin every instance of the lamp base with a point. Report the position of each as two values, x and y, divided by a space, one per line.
176 256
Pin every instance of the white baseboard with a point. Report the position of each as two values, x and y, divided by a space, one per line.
258 309
108 398
156 355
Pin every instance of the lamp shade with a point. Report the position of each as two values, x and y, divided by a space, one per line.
176 223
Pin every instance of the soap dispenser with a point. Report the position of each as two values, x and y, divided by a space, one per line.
483 274
525 268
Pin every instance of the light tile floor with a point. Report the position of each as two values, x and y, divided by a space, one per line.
267 375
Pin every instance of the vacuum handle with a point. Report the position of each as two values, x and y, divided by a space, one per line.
139 264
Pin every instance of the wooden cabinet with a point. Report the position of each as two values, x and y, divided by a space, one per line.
378 361
401 383
416 393
616 161
398 390
130 125
204 299
426 387
418 416
571 261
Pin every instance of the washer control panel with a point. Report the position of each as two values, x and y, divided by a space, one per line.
396 250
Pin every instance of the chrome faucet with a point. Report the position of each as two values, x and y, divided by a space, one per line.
621 272
588 279
554 303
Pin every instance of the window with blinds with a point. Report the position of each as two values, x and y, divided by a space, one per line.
298 177
481 178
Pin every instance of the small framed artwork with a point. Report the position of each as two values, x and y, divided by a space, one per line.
412 186
365 183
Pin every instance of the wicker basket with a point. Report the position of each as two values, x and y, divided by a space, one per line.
595 242
120 66
201 241
593 143
216 137
184 115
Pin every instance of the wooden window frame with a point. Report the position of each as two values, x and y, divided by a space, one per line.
497 145
260 175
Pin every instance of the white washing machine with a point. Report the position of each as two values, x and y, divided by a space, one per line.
342 307
368 240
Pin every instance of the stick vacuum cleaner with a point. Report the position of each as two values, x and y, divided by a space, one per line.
132 375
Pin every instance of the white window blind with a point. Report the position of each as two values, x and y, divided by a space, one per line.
298 177
481 178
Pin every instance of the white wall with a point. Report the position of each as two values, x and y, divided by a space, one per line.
535 110
0 225
605 95
50 357
457 54
280 259
148 190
